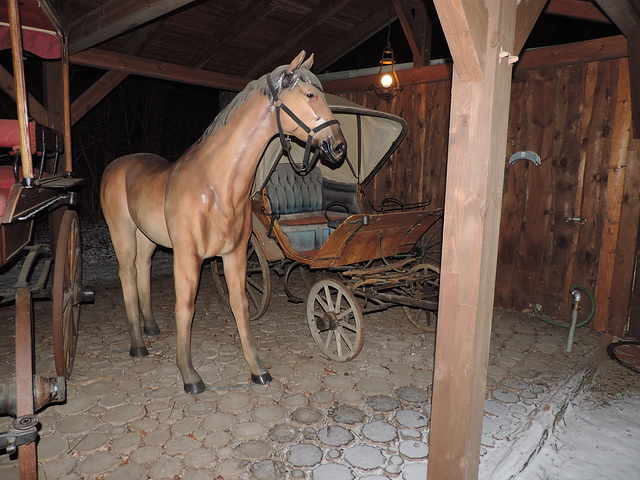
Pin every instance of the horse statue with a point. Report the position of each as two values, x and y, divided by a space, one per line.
200 207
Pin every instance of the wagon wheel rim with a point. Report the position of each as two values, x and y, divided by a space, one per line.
342 335
258 283
425 320
626 353
67 292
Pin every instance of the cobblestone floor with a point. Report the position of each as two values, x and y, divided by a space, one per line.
369 418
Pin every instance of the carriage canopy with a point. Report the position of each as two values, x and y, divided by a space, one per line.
40 34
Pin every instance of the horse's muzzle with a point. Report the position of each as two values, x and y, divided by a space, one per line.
334 151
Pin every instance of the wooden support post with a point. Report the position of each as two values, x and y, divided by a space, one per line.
475 171
634 73
21 89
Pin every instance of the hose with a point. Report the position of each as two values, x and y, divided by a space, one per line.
568 325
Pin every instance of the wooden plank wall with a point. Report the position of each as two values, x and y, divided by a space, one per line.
578 119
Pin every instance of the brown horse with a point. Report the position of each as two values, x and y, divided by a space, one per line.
200 206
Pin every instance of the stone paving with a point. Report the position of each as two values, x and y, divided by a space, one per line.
369 418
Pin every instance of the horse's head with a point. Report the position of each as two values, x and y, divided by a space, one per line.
306 115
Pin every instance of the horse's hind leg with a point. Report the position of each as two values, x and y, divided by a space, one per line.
235 272
145 249
124 244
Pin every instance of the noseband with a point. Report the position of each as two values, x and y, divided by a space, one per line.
306 165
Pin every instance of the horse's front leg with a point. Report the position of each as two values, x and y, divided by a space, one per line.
186 268
235 272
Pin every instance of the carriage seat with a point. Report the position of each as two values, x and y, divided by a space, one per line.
300 202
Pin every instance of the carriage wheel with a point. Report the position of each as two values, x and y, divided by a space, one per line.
626 354
67 293
258 286
335 320
429 289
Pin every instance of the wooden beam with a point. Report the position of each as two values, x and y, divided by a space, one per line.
580 52
634 74
112 78
625 14
314 19
527 15
115 17
434 73
36 110
166 71
465 25
614 198
576 9
475 174
588 51
95 93
417 29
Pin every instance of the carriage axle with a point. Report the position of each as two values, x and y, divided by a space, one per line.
45 392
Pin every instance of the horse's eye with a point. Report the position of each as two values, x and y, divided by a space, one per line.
311 95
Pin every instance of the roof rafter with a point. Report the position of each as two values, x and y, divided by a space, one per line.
417 28
150 68
316 17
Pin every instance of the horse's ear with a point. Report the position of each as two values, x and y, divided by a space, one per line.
296 62
308 63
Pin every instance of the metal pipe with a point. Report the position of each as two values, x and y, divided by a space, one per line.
574 317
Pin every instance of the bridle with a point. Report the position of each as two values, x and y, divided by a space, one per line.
306 165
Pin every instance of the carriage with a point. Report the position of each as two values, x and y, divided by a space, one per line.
37 180
309 224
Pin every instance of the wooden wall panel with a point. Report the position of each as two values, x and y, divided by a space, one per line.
577 118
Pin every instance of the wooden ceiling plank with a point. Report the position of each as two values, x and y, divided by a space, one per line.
527 14
315 18
625 14
575 9
245 16
352 39
414 28
115 17
150 68
464 23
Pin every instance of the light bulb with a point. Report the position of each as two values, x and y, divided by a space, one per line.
386 80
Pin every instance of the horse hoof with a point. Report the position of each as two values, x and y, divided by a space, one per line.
263 379
152 330
138 352
194 388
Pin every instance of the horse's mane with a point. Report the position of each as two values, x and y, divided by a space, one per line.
280 80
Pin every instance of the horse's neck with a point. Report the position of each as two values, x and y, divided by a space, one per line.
232 152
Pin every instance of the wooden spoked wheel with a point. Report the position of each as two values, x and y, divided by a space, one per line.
67 293
428 289
258 285
335 320
626 354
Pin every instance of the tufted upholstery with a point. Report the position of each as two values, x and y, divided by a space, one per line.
290 193
295 196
